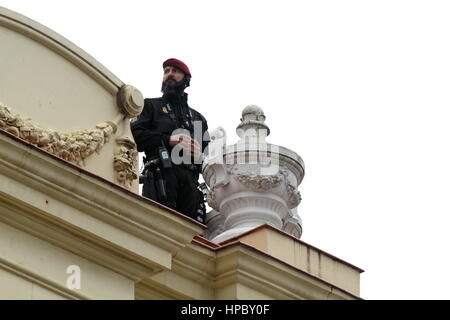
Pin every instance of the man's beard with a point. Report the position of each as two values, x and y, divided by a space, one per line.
173 90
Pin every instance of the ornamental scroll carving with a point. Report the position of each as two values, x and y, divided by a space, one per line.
294 196
125 162
212 199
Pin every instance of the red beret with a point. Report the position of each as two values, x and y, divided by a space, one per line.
177 64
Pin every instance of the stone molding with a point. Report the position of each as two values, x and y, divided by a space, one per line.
209 273
289 159
215 221
100 222
250 207
271 277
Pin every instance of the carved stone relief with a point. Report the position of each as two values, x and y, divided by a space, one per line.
130 101
78 145
259 182
294 197
125 162
211 198
74 146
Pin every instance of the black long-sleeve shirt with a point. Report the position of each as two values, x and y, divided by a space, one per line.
159 118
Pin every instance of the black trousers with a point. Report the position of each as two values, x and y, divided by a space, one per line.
182 193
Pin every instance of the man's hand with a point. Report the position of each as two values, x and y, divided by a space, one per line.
186 143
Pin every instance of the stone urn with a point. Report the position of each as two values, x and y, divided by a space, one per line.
251 182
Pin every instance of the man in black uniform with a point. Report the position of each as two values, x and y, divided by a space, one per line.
167 127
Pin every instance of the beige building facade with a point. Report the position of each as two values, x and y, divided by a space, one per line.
72 222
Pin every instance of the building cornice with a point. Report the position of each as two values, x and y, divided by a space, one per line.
100 221
155 247
209 273
274 277
285 234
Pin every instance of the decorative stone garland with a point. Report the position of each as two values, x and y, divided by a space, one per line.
266 182
257 181
74 147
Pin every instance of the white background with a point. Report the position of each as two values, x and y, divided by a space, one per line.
359 89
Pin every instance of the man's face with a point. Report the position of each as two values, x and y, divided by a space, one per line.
172 75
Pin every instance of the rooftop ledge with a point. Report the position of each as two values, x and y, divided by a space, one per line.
300 255
151 244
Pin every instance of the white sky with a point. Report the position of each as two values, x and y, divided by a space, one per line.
359 89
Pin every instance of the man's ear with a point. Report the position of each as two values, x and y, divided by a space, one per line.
187 81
